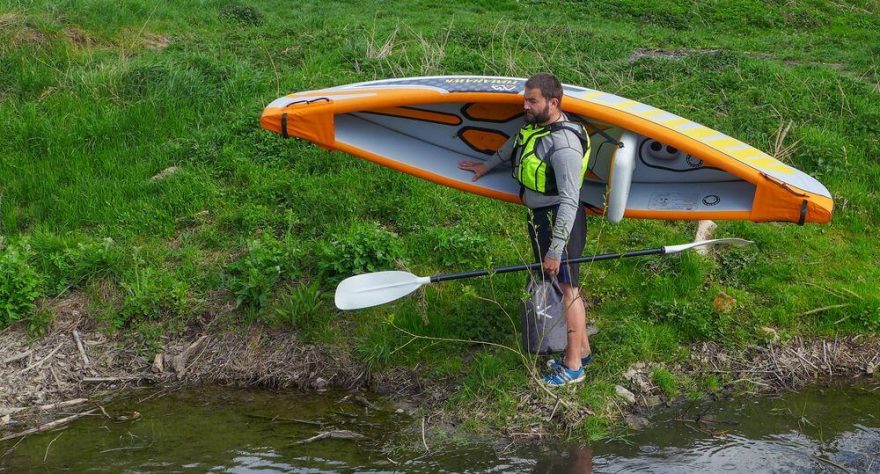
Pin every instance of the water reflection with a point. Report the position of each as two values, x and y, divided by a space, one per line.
579 460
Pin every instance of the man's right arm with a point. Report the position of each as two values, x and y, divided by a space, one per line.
500 156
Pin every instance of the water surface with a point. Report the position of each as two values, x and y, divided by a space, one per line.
215 429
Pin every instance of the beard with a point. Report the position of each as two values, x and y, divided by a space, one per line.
536 117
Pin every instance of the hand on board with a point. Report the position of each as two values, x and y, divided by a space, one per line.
478 168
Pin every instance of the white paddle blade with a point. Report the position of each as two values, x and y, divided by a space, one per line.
669 249
373 289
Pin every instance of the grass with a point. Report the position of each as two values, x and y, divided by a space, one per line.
97 98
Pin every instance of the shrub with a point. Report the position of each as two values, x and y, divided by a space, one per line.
20 284
71 265
152 295
303 308
693 320
267 262
247 15
362 247
456 246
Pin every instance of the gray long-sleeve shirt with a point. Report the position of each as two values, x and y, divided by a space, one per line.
566 162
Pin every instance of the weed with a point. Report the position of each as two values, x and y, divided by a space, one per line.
665 381
151 295
267 261
70 264
695 320
244 14
38 324
458 247
359 248
303 308
20 283
378 346
712 384
148 335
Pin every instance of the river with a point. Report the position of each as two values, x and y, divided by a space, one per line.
214 429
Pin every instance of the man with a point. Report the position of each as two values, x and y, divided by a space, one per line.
549 161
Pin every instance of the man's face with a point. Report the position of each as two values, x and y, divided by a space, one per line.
538 108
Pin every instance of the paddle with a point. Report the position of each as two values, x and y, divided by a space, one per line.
373 289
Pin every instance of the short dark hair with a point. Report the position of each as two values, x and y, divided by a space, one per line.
550 87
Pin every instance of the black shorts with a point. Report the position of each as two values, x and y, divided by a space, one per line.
540 224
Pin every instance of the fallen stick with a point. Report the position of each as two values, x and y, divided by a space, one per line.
799 356
51 406
424 443
44 359
274 419
824 308
127 378
55 376
48 426
82 350
46 456
125 448
365 403
179 361
826 460
335 434
68 403
18 357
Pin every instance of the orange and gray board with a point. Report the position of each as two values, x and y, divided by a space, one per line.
645 162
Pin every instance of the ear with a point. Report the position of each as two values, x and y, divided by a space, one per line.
554 102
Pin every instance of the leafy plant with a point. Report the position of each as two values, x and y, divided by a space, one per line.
362 247
456 246
20 283
695 321
266 263
151 295
244 14
666 381
39 323
303 308
71 265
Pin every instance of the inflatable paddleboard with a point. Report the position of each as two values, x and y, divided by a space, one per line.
645 162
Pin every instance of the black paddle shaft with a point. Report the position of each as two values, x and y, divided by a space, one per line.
538 265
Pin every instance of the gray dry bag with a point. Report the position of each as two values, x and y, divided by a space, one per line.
543 317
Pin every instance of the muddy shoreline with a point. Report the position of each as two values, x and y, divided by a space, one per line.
77 366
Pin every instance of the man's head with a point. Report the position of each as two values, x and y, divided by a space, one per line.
543 97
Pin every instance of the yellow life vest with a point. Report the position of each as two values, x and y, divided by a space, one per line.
531 170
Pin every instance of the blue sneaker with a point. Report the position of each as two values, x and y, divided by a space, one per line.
553 363
561 375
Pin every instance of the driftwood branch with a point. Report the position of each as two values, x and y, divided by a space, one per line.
276 419
68 403
364 402
79 346
18 357
128 378
335 434
44 359
48 426
179 361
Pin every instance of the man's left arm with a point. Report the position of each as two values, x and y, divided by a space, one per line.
566 164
